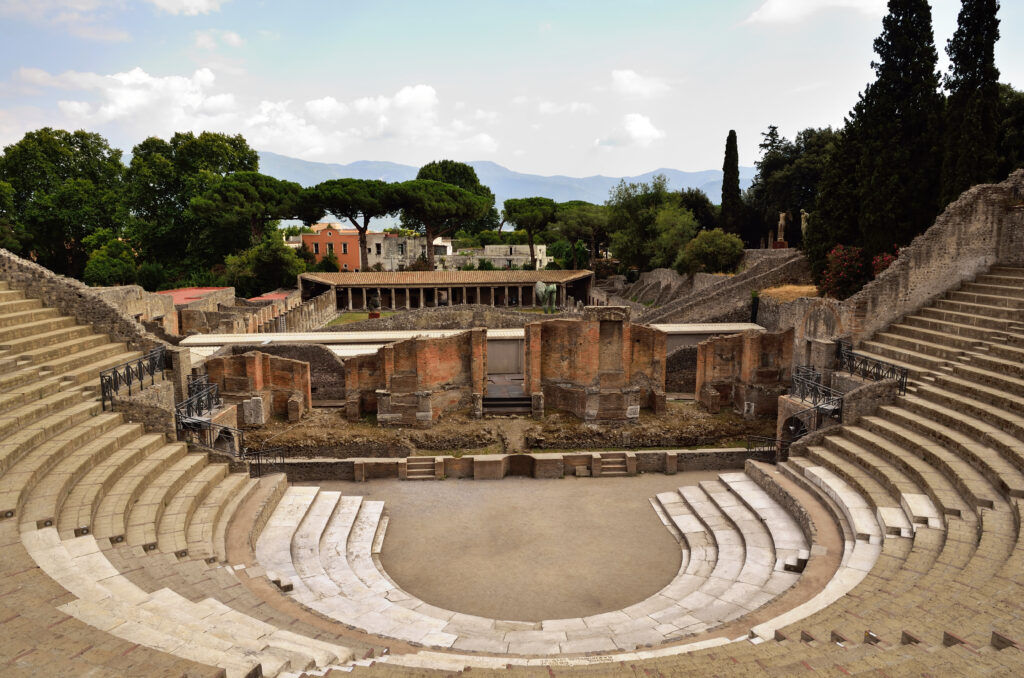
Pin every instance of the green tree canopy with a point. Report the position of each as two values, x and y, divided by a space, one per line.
972 110
698 202
437 208
359 201
579 221
464 176
161 182
675 226
632 217
1011 130
263 267
531 215
63 187
110 259
712 251
12 233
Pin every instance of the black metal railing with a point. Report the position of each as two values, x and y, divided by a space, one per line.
217 437
816 393
262 460
131 375
808 372
868 368
196 383
203 402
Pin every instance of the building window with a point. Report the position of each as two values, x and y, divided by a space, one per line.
329 233
345 266
316 248
330 248
401 249
423 249
378 249
344 248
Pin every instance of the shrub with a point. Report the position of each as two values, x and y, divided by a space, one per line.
484 265
151 276
882 261
712 251
846 271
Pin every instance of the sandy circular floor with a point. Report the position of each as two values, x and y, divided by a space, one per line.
526 549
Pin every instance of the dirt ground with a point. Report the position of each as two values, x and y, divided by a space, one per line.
326 433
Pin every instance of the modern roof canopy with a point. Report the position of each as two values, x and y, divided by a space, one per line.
444 278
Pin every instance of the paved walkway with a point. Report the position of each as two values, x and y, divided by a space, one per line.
528 549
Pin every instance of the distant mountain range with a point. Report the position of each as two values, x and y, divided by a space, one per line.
504 182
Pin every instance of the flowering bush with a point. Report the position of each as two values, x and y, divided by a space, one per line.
845 273
880 262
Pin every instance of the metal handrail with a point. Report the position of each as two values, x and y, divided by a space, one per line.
204 401
129 374
807 372
869 368
212 436
816 393
196 383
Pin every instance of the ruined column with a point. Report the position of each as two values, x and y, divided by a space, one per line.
364 298
421 297
408 293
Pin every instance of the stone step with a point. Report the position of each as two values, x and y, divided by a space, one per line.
988 461
22 477
1013 366
952 328
273 548
172 529
111 515
19 418
913 499
933 336
4 285
993 425
305 547
921 362
1010 272
1002 382
872 435
859 514
34 313
978 309
199 532
986 299
11 295
16 445
62 335
47 499
31 390
790 542
73 363
77 513
889 512
968 481
35 328
13 306
1007 351
995 290
913 345
976 320
89 372
983 392
144 515
220 528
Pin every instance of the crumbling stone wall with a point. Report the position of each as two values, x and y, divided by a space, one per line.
144 306
681 370
263 385
308 316
982 228
76 299
747 371
601 367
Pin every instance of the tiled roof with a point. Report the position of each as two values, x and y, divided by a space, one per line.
444 278
184 295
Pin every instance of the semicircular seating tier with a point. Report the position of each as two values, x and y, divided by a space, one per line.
126 554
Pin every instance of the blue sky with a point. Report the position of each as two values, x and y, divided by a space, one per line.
572 87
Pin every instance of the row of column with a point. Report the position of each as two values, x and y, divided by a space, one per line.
428 297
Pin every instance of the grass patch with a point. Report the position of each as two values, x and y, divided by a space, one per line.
356 316
790 292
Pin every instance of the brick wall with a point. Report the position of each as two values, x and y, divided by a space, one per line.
746 371
327 370
601 367
263 384
308 316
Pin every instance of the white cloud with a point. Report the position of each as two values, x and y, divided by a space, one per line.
327 108
794 11
520 99
549 107
82 18
489 117
212 38
138 104
636 130
187 7
544 27
631 83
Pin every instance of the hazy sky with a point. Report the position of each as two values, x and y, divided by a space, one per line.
572 87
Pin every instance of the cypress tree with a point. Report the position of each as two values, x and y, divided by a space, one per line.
972 116
732 205
897 125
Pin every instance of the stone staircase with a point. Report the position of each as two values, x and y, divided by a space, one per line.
613 464
419 468
741 550
115 538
